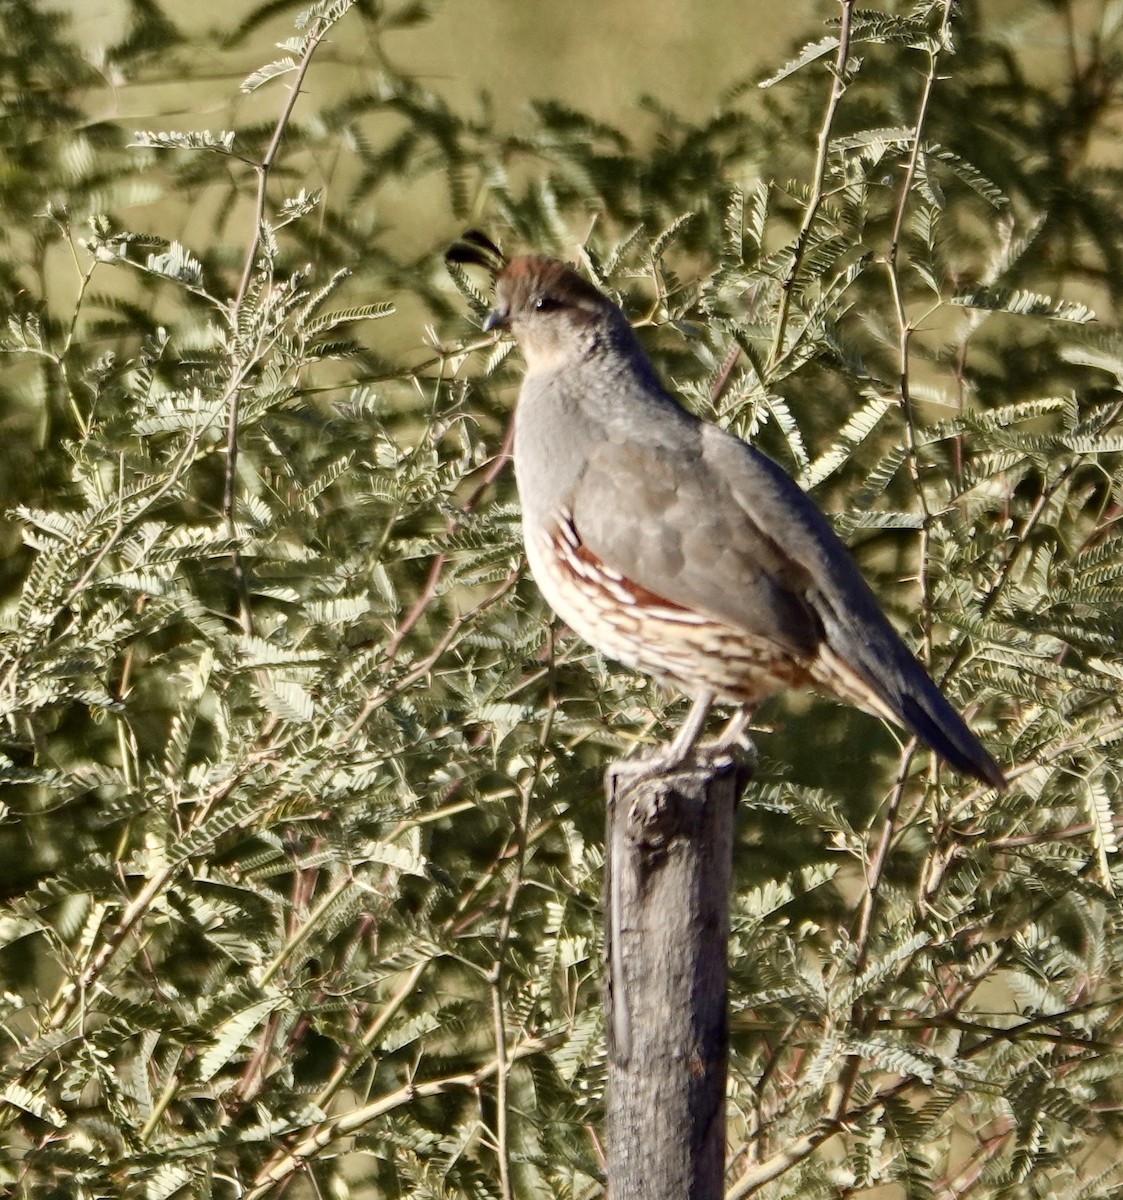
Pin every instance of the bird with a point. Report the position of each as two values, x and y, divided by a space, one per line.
678 549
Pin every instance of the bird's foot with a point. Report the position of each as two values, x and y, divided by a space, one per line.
732 746
687 756
665 763
626 773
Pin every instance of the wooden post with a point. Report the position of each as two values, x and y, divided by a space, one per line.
670 840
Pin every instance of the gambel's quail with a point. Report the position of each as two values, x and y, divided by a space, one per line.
676 548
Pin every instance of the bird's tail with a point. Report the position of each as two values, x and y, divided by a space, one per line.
900 690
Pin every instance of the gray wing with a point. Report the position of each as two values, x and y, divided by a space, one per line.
672 519
719 527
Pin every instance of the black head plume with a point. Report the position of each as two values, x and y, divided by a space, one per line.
477 250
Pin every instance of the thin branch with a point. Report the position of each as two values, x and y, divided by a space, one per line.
905 329
499 1029
263 169
420 669
798 1149
838 87
74 994
861 1019
351 1122
370 1035
84 277
965 1178
303 931
875 870
497 980
842 1116
181 464
429 589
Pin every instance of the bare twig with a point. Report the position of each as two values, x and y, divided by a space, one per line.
861 1018
815 200
263 169
497 980
379 699
72 996
429 589
370 1034
351 1122
311 45
905 327
797 1149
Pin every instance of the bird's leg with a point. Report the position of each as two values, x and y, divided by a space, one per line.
733 746
734 727
668 758
687 737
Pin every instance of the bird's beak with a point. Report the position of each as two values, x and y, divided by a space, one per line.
498 318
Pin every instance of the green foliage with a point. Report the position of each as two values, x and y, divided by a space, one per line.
301 823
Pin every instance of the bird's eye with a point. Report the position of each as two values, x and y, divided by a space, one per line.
546 304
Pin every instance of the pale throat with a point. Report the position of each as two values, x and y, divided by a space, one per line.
543 355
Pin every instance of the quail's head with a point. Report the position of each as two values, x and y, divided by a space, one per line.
554 314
